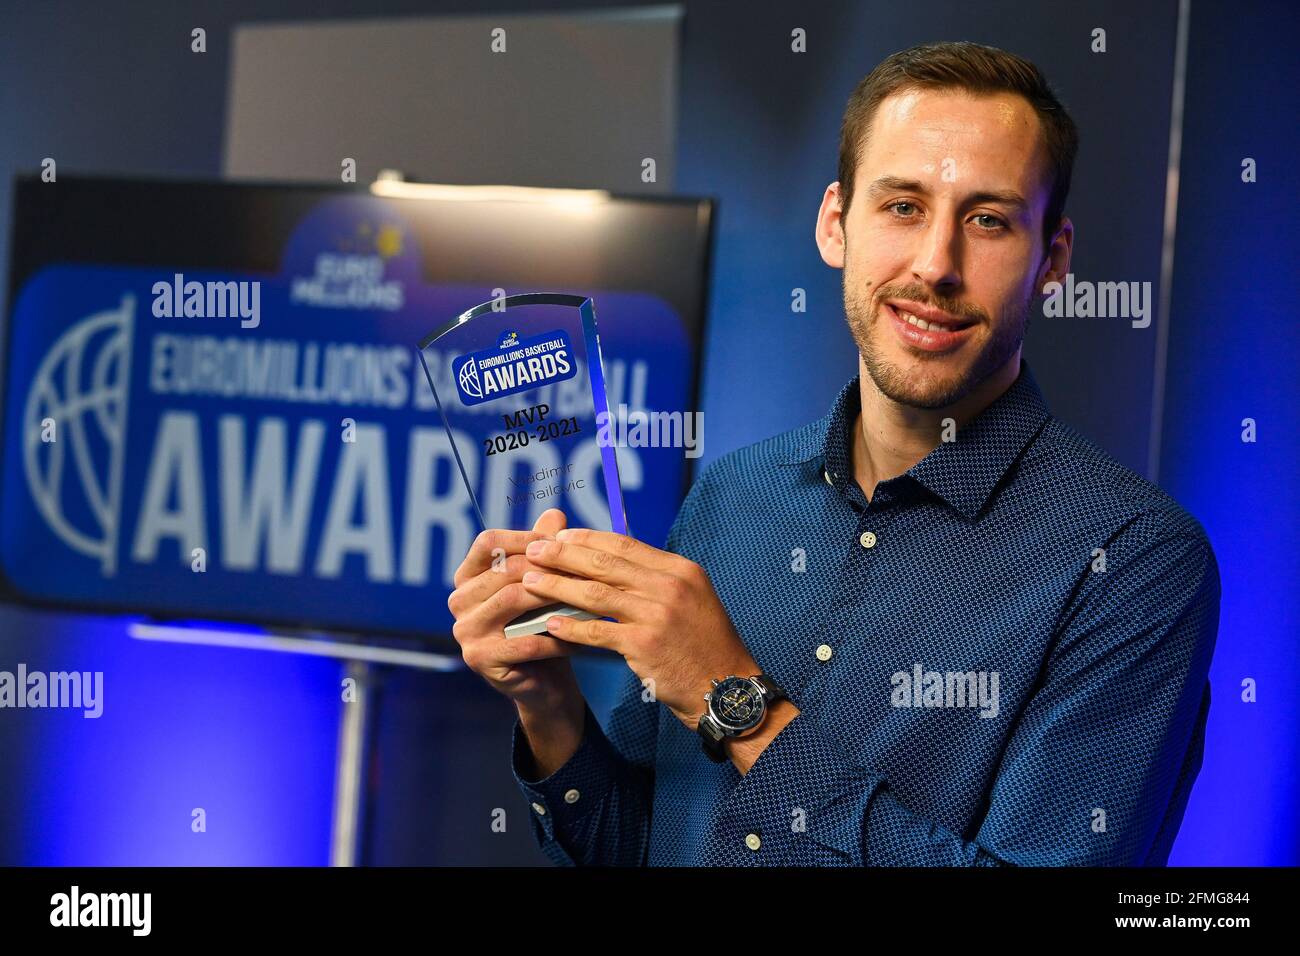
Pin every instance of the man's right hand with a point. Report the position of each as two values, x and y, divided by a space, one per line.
532 670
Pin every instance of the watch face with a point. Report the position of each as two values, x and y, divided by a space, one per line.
737 704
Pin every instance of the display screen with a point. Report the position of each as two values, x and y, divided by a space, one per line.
214 406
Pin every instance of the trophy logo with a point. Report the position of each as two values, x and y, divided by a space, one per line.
514 365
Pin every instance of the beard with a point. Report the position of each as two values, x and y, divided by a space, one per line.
937 383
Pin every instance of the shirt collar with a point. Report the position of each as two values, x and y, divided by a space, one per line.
963 472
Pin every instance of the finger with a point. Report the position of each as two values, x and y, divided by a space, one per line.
584 562
487 654
531 647
594 596
494 543
483 585
550 521
607 634
625 546
490 616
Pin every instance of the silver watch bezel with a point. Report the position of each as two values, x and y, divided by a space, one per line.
735 730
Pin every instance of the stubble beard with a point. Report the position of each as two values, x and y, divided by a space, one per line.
936 386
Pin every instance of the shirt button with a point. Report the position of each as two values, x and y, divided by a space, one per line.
541 810
571 796
868 539
824 652
827 476
753 842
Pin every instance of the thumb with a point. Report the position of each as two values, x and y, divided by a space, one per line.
550 521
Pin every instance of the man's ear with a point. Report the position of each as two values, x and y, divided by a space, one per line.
1056 263
830 228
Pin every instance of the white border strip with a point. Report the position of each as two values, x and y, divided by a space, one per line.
214 637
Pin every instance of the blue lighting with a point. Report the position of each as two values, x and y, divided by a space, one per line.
247 737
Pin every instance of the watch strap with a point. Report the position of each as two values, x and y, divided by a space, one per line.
711 738
772 691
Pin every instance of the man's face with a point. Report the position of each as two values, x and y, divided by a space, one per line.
943 251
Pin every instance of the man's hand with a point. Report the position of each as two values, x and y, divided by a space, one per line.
671 626
532 670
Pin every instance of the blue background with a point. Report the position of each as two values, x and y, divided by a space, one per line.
253 735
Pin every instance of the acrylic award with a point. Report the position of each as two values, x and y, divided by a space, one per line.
519 385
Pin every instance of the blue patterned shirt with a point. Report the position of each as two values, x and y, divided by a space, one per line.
1001 659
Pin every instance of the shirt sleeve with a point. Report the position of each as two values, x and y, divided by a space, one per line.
1096 773
595 810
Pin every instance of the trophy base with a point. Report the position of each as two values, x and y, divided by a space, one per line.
534 622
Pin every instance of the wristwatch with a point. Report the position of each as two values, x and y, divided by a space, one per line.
737 706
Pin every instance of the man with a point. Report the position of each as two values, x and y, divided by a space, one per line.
979 640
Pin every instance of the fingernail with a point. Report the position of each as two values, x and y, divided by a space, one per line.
532 577
561 534
553 624
535 547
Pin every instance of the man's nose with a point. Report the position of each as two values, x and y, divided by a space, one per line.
936 262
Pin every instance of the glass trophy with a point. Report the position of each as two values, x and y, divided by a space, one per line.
521 390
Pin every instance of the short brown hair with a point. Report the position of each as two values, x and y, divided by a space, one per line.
977 69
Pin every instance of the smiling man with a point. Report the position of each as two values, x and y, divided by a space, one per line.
935 627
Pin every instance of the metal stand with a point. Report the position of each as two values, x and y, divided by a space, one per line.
350 769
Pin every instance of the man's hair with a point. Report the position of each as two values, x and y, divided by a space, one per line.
977 69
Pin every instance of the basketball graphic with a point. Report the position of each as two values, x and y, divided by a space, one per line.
74 427
468 378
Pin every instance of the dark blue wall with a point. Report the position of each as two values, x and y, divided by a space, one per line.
1234 353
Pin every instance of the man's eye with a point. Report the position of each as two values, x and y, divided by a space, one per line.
903 208
989 222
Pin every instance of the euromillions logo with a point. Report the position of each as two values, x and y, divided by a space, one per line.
74 430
